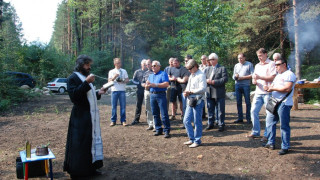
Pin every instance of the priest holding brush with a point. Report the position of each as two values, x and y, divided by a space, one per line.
84 152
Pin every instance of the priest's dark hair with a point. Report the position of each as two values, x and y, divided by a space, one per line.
81 61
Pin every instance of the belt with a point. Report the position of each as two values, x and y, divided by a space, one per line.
158 92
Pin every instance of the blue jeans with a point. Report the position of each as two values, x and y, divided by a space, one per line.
158 104
216 107
121 96
245 91
257 102
272 120
184 105
194 114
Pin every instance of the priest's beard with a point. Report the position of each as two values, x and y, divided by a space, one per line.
84 71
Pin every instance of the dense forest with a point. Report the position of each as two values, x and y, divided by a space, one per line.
160 29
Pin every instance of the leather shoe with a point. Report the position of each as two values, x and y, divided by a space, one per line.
283 151
264 139
221 128
135 122
252 136
157 133
238 121
269 146
167 135
97 173
150 128
208 128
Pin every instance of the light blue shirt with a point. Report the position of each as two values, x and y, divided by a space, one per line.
243 70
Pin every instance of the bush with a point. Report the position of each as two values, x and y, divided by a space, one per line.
10 94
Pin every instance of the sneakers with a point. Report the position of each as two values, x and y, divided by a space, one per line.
283 151
188 143
112 124
194 145
124 124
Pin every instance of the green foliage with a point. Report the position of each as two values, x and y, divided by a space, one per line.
310 73
207 26
10 93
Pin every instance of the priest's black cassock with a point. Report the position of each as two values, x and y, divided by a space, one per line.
78 156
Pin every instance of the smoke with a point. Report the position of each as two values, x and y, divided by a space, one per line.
308 34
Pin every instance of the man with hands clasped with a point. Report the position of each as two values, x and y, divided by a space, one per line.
158 83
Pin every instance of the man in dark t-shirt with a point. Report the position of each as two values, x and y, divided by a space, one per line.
175 87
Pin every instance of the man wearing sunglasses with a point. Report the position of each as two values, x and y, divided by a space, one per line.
282 84
195 92
158 83
217 77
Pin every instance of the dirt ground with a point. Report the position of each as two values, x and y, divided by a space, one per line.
132 152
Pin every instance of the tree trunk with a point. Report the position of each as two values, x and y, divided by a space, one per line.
1 18
100 27
281 7
121 34
76 30
296 39
113 30
69 32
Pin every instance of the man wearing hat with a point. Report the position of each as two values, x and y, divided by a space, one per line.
195 94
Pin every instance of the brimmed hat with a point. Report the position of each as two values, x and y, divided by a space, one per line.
191 63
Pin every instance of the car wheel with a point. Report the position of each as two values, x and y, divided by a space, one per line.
61 90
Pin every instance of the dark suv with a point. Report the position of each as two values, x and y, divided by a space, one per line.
22 78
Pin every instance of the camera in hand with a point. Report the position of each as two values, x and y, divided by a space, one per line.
119 79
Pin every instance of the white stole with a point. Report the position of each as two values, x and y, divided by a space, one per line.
96 146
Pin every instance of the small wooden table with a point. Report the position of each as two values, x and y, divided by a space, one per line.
34 157
302 86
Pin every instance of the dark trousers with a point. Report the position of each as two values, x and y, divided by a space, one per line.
245 91
139 101
158 104
216 110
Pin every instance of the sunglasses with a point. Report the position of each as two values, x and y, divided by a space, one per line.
211 59
278 64
154 65
190 68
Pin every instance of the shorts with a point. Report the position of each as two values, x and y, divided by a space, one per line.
174 94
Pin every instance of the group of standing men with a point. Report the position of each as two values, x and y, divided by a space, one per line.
192 85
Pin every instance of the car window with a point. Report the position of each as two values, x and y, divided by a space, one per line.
53 80
62 80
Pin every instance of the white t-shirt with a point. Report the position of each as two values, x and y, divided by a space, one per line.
267 69
118 86
279 80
